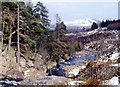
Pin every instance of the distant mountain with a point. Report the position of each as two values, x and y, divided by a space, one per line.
78 24
81 22
86 23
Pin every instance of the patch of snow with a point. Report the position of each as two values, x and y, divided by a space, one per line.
117 65
76 82
69 34
112 81
115 56
74 71
104 28
82 67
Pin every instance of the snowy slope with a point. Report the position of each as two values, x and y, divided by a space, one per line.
77 24
81 22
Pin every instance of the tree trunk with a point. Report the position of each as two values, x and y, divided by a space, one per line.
18 39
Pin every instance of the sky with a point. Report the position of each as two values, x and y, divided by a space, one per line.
70 10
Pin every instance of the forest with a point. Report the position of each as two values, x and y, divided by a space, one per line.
34 32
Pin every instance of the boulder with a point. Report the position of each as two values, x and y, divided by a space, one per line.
70 76
47 80
32 73
15 74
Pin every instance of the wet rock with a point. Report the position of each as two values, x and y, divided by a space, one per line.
9 83
56 72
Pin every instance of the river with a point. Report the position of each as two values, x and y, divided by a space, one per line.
73 61
57 71
79 60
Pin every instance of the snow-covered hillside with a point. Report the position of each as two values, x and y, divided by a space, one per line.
77 24
81 22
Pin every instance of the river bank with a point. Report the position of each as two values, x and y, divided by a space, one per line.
88 66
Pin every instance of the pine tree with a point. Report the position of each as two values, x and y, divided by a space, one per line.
41 12
94 26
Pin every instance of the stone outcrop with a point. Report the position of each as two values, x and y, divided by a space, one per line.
48 80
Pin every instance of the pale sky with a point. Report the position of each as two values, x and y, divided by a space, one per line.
75 0
70 10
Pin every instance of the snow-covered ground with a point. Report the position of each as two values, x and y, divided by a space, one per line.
113 81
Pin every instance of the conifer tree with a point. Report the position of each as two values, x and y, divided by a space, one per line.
41 12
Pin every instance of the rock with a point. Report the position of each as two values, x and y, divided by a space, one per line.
26 73
102 72
29 64
47 80
39 63
52 64
118 60
32 73
28 82
70 76
9 83
1 77
62 60
56 72
22 62
15 74
15 83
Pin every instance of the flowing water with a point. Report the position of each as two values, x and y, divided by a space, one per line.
78 60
